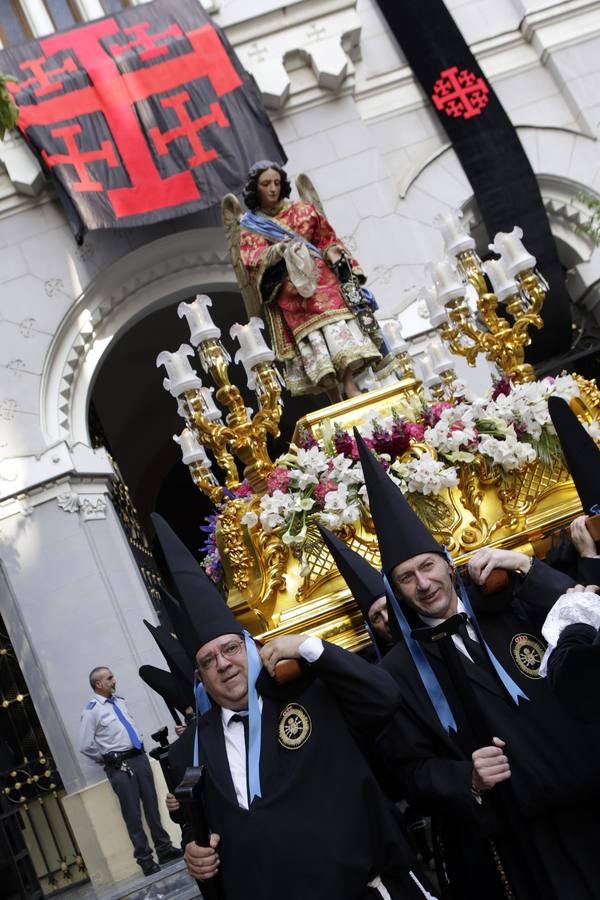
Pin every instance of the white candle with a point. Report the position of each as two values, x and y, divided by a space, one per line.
428 376
456 238
198 318
502 285
426 368
180 375
438 356
191 448
253 349
437 313
392 333
210 410
514 257
446 280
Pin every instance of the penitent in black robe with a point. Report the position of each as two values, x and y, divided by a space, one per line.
554 851
322 828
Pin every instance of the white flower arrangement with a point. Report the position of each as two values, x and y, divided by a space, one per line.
510 429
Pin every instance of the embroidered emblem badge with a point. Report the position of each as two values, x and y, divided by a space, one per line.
294 727
527 652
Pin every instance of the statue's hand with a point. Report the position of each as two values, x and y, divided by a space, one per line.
333 254
274 253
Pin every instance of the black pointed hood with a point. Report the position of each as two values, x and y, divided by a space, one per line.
581 453
400 532
175 656
365 582
181 622
206 609
169 688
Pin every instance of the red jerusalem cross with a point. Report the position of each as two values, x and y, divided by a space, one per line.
188 128
148 42
460 93
114 95
42 78
74 157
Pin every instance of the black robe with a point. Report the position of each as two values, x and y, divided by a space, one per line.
322 828
574 670
555 782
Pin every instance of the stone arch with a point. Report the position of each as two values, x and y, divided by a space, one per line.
145 280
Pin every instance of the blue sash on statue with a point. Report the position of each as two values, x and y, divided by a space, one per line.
273 231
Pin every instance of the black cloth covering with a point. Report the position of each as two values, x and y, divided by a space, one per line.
322 828
488 147
574 671
555 781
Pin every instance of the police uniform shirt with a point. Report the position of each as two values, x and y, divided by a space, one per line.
101 732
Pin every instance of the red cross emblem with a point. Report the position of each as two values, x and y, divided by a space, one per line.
143 115
460 94
114 95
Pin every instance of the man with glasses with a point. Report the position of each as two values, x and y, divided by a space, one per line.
293 808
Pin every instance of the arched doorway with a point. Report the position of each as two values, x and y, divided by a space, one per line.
101 379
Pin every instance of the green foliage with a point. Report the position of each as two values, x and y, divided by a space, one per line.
547 447
592 227
9 112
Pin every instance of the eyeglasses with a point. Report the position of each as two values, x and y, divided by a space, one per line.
227 651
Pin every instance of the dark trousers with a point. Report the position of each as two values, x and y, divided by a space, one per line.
130 789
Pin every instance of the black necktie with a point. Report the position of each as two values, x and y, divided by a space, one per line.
473 648
244 718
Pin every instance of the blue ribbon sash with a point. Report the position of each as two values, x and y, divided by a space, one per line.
426 673
274 231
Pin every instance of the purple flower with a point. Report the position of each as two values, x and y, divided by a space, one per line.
306 439
502 387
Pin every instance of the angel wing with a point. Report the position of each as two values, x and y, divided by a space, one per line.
308 192
231 212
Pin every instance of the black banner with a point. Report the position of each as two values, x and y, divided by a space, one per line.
488 147
141 116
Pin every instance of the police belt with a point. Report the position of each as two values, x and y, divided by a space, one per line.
118 756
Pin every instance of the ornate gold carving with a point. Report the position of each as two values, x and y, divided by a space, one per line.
237 559
273 557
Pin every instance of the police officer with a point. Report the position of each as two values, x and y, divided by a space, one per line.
108 735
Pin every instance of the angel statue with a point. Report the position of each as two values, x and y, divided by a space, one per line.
292 268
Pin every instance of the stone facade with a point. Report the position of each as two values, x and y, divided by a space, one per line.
348 111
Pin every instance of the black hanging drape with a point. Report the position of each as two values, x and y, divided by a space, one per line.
488 147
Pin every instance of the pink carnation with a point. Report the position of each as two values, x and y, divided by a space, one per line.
278 480
323 488
244 490
433 415
414 430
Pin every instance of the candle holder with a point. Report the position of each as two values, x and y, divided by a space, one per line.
194 456
243 435
443 367
400 366
516 285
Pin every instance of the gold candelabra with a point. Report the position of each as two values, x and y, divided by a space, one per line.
243 434
516 286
